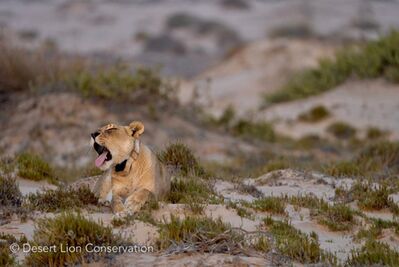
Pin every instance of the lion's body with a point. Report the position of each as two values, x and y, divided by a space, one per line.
134 180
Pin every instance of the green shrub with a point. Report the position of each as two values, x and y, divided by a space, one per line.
375 59
188 189
263 244
186 230
61 199
254 130
341 130
33 167
6 258
337 217
375 230
180 156
192 230
381 156
273 165
369 197
227 117
10 195
302 30
296 245
118 82
269 204
344 169
7 165
316 114
69 229
375 133
374 253
377 159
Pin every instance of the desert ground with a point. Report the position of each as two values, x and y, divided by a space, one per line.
278 120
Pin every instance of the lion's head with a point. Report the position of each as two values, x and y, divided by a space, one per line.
115 143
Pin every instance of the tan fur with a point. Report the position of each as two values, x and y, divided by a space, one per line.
143 176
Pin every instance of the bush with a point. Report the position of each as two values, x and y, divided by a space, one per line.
301 30
33 167
187 190
269 204
257 130
375 59
6 258
381 156
206 235
375 133
338 217
19 69
341 130
69 229
374 253
369 197
296 245
181 157
61 199
119 83
235 4
344 169
316 114
10 195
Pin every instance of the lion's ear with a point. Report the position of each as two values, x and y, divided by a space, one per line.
137 128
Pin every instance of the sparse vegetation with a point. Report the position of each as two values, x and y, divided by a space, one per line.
269 204
70 229
277 164
296 245
375 59
374 253
225 36
298 30
33 167
188 189
343 169
206 235
375 133
6 258
369 196
241 211
181 157
119 82
341 130
19 69
254 130
190 230
315 114
235 4
61 199
9 192
375 160
375 230
337 217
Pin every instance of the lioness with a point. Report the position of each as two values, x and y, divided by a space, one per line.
132 172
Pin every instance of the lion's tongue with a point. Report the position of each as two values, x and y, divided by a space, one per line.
100 160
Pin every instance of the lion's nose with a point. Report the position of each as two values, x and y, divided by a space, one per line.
95 134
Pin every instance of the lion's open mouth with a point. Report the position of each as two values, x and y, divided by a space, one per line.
103 154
